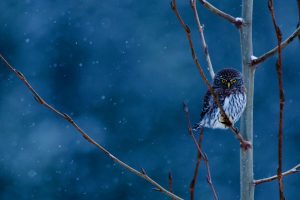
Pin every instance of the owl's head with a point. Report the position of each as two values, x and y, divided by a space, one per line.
228 79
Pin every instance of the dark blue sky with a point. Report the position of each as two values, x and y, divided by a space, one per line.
122 69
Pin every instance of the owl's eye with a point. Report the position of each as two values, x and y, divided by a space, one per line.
223 81
233 81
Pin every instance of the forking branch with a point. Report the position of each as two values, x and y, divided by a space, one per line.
195 176
238 22
244 144
295 169
42 102
270 53
250 65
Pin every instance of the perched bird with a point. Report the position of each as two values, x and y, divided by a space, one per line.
228 85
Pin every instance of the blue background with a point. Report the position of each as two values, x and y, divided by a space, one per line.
121 69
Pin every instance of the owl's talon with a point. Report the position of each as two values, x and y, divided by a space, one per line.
224 120
196 127
227 123
246 145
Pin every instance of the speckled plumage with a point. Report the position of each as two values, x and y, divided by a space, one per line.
228 84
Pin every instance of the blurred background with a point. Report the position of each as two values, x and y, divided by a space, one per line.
121 69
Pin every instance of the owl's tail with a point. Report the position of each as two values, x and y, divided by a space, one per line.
197 127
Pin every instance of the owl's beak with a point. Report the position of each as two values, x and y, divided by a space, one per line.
228 84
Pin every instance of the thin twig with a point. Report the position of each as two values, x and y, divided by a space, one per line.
203 155
298 25
190 129
42 102
194 180
293 170
205 47
208 177
270 53
244 144
170 181
235 21
281 97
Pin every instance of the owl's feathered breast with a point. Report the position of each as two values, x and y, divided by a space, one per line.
233 102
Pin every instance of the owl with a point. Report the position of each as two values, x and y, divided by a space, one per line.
228 85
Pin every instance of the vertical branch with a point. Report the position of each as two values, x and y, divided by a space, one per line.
194 180
281 97
246 157
200 29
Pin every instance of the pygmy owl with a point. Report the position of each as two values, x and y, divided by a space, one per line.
229 86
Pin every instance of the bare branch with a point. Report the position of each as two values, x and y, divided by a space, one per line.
202 154
293 170
205 47
41 101
298 3
270 53
170 181
235 21
298 25
208 177
194 180
244 144
281 97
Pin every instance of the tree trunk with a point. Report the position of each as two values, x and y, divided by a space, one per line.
246 157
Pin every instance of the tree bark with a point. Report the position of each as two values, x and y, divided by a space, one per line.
246 156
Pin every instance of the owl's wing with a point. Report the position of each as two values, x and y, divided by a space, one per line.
209 103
